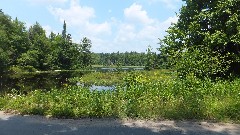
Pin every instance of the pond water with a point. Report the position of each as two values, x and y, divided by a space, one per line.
25 82
97 87
101 88
111 69
37 80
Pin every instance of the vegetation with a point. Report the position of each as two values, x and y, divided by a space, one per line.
202 49
124 59
100 78
138 97
205 40
158 61
31 50
118 78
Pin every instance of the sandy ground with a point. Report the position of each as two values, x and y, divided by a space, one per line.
38 125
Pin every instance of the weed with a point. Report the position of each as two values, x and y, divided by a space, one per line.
140 95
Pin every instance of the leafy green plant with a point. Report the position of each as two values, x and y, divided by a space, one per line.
205 40
138 97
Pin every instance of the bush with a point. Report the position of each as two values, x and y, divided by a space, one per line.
137 97
21 69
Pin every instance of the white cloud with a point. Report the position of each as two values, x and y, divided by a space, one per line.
48 29
96 29
167 23
136 14
80 17
126 32
133 33
75 15
130 31
139 37
101 45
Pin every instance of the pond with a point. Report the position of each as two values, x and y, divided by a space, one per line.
113 69
25 82
101 88
97 87
37 80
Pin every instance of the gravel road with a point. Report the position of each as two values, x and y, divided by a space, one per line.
38 125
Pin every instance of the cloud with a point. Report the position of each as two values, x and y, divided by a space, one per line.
141 36
130 30
75 15
136 14
101 28
125 33
80 17
134 32
48 29
167 23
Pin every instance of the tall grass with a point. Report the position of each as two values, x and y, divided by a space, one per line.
138 97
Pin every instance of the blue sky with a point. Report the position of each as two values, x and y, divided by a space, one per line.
111 25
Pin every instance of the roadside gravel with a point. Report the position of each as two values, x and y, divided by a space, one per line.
38 125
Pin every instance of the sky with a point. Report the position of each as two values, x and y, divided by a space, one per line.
111 25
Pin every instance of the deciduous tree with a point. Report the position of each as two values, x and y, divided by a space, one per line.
206 39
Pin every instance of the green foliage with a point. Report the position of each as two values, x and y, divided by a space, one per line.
84 49
21 69
139 96
150 59
30 58
202 63
205 40
66 52
13 41
118 78
124 59
99 78
4 61
31 48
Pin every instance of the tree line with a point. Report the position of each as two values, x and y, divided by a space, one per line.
23 49
148 59
30 49
205 42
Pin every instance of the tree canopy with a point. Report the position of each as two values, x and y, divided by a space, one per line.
206 39
23 49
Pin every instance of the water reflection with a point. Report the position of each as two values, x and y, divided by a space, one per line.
37 80
112 69
25 82
96 87
101 88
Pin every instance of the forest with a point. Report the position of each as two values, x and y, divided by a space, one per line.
31 50
195 74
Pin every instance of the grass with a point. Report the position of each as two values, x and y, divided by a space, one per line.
117 78
99 78
144 95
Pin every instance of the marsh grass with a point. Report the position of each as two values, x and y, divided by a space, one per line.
139 96
100 78
117 78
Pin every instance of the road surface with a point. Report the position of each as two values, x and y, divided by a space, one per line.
38 125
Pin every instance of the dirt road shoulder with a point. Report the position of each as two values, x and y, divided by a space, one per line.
38 125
